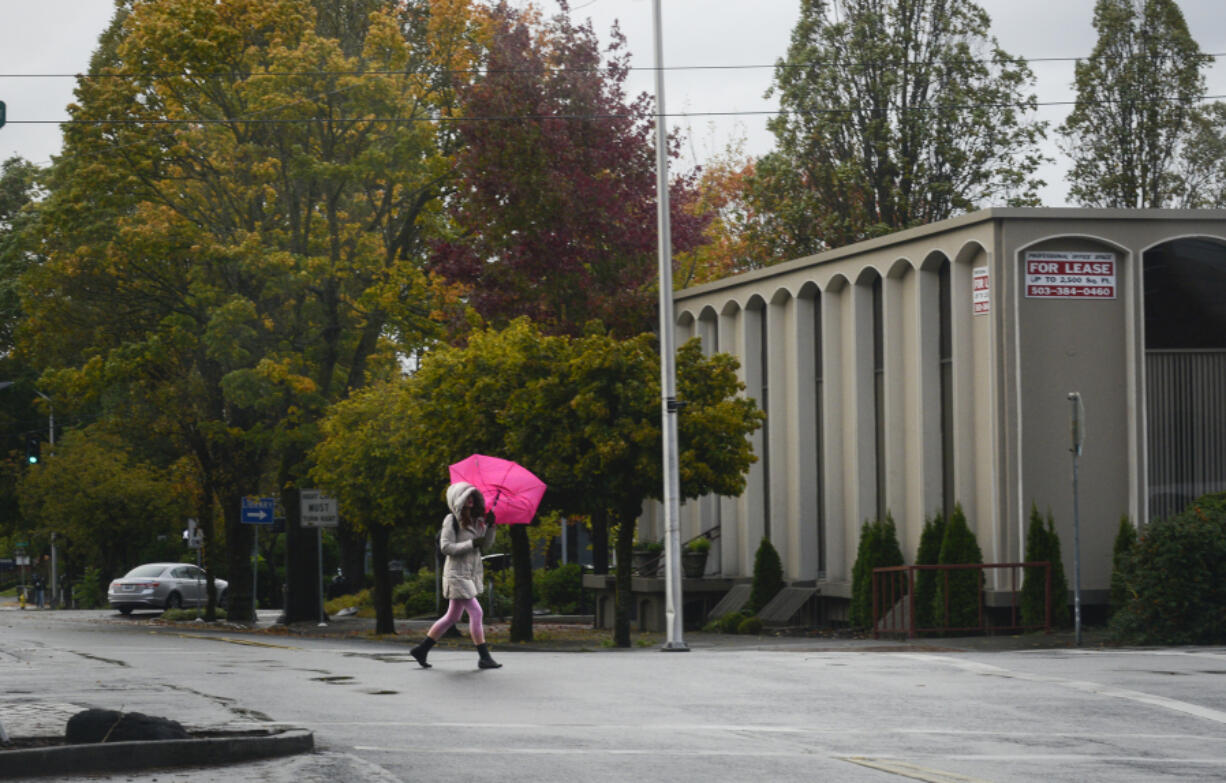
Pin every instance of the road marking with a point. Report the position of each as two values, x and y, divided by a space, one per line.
1085 686
244 642
906 770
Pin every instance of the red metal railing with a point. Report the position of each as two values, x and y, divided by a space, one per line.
894 599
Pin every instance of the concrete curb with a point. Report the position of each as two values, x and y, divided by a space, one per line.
117 756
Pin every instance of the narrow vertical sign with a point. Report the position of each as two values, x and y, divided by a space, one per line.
980 293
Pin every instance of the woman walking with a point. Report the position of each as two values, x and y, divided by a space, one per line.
466 531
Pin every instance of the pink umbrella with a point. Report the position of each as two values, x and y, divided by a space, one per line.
510 490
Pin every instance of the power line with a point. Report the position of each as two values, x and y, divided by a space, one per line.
159 75
592 117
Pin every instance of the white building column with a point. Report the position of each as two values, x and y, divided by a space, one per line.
859 420
897 321
922 403
799 539
835 300
752 503
964 363
729 332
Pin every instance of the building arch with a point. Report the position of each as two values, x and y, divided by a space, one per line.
1183 329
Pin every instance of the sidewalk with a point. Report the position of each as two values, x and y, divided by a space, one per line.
575 633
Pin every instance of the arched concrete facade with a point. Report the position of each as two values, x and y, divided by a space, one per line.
866 416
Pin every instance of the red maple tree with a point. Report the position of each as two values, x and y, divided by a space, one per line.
554 210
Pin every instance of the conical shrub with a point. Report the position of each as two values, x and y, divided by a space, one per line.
957 596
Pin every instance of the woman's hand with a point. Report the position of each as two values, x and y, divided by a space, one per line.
489 517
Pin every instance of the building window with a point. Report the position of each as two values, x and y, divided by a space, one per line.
879 394
819 435
944 298
764 401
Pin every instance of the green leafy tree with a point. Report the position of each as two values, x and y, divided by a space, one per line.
1121 563
1136 94
234 235
878 549
581 413
1203 163
926 581
767 577
110 510
958 600
18 190
893 115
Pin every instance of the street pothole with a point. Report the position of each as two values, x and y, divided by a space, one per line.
335 678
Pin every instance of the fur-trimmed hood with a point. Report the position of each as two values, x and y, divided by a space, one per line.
457 496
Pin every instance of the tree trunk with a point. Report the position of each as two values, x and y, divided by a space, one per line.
301 562
353 556
521 605
239 541
384 620
622 602
204 512
600 541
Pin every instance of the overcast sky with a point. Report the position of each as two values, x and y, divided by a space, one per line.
58 36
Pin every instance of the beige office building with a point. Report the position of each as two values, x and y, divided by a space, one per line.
933 366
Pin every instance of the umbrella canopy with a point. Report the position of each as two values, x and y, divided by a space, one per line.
510 490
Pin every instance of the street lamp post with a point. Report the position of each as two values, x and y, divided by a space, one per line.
668 374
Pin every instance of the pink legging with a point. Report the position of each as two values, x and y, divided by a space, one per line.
454 610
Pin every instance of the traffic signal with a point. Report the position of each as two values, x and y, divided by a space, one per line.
33 447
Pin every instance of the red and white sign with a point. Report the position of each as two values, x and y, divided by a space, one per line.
1070 275
980 300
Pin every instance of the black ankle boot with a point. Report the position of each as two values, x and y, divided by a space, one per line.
421 651
486 661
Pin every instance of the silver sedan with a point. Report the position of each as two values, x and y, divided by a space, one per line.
163 586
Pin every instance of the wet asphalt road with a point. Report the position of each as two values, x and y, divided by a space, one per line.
760 710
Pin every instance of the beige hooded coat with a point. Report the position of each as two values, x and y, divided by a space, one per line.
463 571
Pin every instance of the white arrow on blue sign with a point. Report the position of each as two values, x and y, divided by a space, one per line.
258 511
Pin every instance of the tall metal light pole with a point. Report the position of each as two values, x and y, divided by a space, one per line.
55 584
668 373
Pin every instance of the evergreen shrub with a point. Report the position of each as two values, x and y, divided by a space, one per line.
1043 543
1121 558
561 588
958 590
1176 577
926 581
416 594
728 623
750 626
767 577
878 549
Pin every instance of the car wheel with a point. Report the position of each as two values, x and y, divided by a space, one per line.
125 610
173 601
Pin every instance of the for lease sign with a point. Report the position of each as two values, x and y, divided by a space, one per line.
1056 275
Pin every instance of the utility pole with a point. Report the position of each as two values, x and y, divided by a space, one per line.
1077 427
668 373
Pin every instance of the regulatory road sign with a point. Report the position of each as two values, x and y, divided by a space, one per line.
258 511
318 510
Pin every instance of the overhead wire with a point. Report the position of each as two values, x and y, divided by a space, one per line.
835 61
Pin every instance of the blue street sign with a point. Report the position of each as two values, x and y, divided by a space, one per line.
258 511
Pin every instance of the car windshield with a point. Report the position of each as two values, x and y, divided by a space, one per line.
144 572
